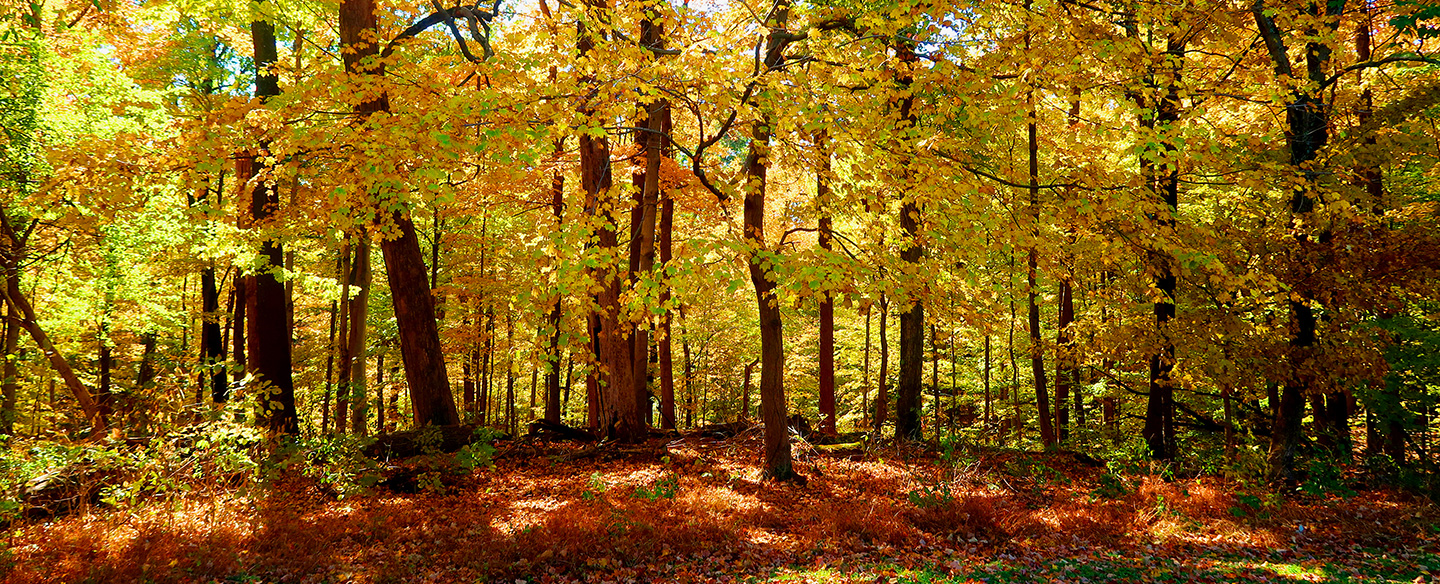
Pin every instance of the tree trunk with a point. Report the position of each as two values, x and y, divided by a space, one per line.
865 373
772 339
430 398
238 322
212 356
554 317
882 388
10 386
359 311
1159 429
912 320
642 258
745 393
342 377
665 348
1308 120
827 304
269 324
17 300
380 393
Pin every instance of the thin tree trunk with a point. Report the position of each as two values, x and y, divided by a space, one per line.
10 387
882 389
359 312
17 300
342 383
238 322
989 407
865 375
213 347
329 371
745 393
1037 349
827 304
380 393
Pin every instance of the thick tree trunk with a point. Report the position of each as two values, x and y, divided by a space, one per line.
912 320
1159 428
430 398
269 323
772 339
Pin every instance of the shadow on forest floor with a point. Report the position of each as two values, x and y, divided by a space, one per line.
700 514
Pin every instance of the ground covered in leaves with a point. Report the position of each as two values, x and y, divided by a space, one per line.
696 510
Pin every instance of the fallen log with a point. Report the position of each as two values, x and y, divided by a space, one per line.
426 440
546 430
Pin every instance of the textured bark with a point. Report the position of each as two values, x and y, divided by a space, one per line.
1159 428
268 338
912 319
356 337
430 397
420 350
772 339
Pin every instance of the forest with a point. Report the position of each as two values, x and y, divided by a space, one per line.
885 290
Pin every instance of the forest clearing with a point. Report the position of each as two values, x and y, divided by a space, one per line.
719 290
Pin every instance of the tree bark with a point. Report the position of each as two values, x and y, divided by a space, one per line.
431 401
772 339
269 324
912 320
1159 428
827 303
359 311
1308 134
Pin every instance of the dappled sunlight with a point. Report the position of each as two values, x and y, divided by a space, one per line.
607 519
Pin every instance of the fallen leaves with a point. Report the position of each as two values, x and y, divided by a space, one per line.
527 521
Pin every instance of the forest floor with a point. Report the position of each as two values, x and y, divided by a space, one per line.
696 510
